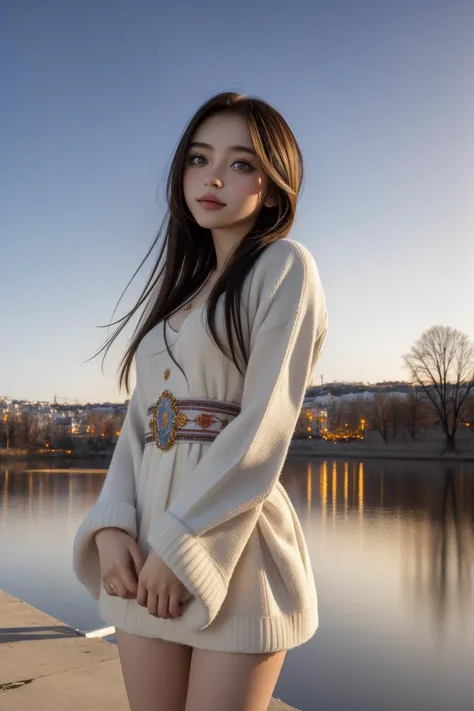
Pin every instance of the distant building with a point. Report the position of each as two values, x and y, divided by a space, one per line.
313 419
61 427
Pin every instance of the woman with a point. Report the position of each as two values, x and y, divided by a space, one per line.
193 548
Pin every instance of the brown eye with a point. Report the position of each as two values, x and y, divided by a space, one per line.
195 158
247 168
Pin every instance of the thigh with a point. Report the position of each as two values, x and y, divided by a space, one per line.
234 682
155 672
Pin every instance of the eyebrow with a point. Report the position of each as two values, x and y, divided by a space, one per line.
236 149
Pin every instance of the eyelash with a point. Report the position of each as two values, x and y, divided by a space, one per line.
249 167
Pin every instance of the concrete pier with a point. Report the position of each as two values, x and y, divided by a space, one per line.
47 666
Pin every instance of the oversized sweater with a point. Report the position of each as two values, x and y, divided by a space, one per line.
216 512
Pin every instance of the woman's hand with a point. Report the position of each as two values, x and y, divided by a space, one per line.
159 589
121 561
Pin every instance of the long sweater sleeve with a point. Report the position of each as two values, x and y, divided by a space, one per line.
115 506
203 532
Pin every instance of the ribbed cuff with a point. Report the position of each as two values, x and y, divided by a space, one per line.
182 552
104 514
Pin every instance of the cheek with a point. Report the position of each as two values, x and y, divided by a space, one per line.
188 181
251 188
193 182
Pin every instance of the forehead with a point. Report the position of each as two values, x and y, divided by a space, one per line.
224 129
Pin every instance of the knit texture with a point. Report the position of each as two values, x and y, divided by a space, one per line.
216 513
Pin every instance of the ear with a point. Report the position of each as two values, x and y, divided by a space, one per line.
270 200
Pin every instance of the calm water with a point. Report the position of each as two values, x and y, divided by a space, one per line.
392 545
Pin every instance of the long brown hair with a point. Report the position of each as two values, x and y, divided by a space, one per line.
187 254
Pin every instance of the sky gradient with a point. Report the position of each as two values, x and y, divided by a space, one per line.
95 97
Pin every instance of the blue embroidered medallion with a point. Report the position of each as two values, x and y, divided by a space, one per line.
165 420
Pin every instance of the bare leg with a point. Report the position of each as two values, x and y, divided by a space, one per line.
234 682
155 672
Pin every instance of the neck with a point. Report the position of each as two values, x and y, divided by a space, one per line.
226 241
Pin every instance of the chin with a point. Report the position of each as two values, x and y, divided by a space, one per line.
218 221
209 223
212 220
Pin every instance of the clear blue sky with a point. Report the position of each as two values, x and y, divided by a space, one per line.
95 96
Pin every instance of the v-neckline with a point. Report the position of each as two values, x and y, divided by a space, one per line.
196 310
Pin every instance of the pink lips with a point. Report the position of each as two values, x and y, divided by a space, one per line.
210 205
210 202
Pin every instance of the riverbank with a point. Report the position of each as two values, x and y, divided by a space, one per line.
323 450
318 449
47 666
45 455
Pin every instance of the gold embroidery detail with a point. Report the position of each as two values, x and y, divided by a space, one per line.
204 420
166 374
182 420
178 420
187 307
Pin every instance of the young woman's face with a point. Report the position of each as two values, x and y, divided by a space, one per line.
221 162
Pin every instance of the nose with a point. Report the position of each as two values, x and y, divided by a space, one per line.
214 181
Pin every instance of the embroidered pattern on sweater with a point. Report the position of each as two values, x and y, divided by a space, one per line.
187 419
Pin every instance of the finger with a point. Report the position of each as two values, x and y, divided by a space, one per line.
130 582
119 588
142 594
174 607
130 596
163 606
152 603
137 556
110 589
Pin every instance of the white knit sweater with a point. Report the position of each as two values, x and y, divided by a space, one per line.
216 512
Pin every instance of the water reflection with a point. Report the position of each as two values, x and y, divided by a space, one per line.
427 507
34 493
441 554
392 547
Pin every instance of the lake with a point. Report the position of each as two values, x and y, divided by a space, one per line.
392 546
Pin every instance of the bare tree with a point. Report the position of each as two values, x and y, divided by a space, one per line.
378 415
108 428
11 429
45 432
102 428
469 413
336 415
354 412
414 412
395 406
384 413
441 362
28 428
